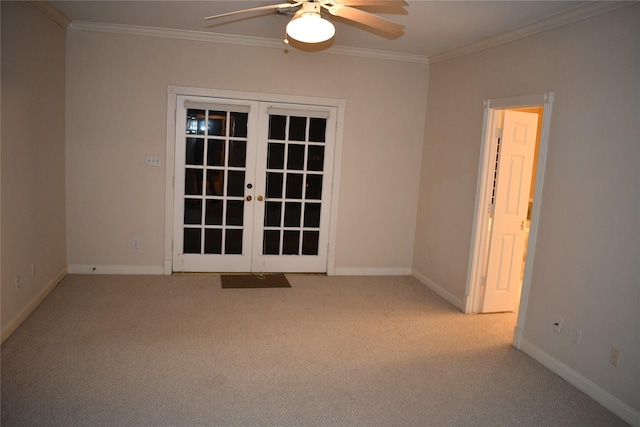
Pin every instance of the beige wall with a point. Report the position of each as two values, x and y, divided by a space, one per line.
116 114
33 224
587 256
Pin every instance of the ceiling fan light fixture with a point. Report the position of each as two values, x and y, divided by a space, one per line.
310 28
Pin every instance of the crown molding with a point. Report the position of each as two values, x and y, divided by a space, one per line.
52 12
237 40
378 54
573 15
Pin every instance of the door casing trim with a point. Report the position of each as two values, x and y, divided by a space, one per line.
478 233
174 91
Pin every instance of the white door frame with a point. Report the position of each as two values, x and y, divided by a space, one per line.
172 94
479 231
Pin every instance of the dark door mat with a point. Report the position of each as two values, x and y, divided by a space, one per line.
249 281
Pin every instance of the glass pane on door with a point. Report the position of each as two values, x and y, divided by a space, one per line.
294 178
215 170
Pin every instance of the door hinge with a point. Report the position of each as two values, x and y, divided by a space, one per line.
499 132
483 281
492 208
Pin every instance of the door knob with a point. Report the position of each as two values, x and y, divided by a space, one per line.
248 198
260 198
522 226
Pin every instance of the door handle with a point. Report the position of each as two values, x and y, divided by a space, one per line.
522 226
248 198
260 198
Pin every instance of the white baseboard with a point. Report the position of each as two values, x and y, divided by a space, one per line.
162 269
366 271
10 327
460 304
583 384
115 269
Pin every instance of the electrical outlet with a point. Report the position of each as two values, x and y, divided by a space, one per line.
557 324
33 269
614 356
16 281
577 336
135 244
424 255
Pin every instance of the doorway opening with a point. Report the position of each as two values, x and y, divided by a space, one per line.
509 187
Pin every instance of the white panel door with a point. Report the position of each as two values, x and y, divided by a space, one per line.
252 186
508 234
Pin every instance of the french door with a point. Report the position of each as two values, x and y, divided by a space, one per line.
252 186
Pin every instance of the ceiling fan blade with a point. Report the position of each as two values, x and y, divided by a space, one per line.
366 18
255 9
371 2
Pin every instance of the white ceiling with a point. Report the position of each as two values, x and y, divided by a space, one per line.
432 27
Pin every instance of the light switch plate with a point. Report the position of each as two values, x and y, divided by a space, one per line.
152 161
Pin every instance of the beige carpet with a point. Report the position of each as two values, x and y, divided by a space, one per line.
330 351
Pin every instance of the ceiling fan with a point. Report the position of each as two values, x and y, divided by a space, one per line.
308 25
